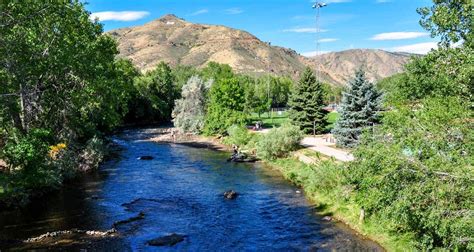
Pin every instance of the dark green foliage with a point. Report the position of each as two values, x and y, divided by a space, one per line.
226 106
28 152
306 104
359 110
182 74
60 69
59 75
158 88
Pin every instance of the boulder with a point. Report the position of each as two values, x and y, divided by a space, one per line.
145 158
231 194
168 240
242 158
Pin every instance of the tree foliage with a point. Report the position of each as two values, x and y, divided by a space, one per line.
453 20
359 110
59 78
278 142
226 106
415 173
158 88
189 111
306 104
59 69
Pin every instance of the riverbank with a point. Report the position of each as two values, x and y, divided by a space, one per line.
322 186
327 198
171 136
18 189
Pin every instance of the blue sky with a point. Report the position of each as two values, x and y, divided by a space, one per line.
382 24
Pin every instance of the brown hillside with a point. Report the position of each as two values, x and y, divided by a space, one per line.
175 41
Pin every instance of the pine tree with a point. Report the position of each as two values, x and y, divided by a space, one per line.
359 110
306 104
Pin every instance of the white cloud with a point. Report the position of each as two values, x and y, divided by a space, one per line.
327 40
233 11
199 12
119 15
314 53
420 48
399 35
305 30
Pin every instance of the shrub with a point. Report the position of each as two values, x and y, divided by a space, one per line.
279 142
238 135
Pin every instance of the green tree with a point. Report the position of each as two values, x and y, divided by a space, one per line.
216 71
60 83
306 104
157 86
415 173
58 69
226 106
182 74
453 20
359 110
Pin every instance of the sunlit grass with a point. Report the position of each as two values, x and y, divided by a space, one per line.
270 119
276 119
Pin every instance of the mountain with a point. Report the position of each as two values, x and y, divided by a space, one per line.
176 41
378 64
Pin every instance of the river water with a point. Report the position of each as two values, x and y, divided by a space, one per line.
180 191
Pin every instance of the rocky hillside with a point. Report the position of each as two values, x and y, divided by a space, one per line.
175 41
339 67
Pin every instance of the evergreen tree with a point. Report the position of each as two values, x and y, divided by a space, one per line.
359 110
306 104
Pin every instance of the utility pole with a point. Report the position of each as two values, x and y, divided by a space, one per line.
318 6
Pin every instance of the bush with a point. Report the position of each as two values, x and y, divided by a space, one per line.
238 135
29 151
279 142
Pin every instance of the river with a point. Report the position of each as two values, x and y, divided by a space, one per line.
179 191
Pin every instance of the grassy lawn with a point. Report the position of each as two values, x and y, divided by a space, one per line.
332 118
270 120
276 119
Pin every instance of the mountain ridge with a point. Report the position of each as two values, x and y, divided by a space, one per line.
174 40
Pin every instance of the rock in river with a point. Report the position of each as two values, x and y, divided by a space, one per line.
231 194
168 240
145 158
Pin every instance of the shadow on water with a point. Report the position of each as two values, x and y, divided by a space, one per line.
180 191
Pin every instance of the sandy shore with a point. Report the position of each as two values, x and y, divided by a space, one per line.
171 135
